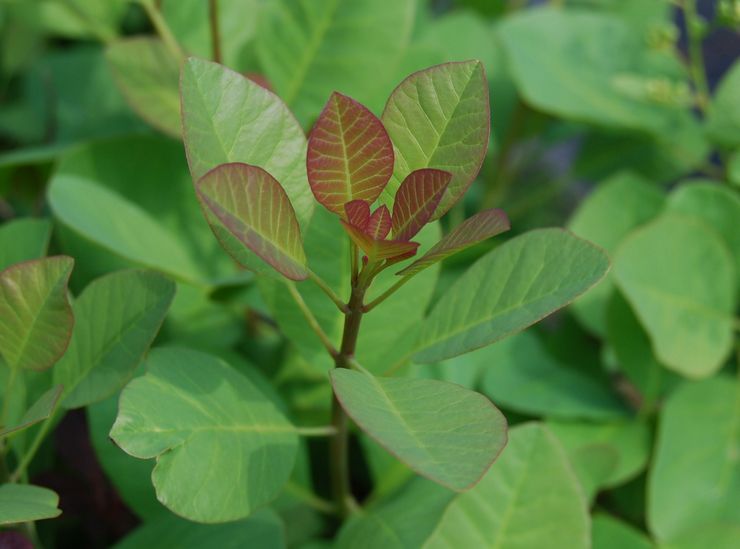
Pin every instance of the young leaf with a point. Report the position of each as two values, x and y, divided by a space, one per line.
201 419
358 213
23 239
350 156
147 74
379 224
475 229
35 316
440 118
679 277
117 317
379 249
37 413
426 424
416 200
26 503
529 498
228 118
508 289
255 209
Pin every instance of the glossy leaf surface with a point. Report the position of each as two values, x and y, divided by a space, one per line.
202 419
35 315
350 156
442 431
254 208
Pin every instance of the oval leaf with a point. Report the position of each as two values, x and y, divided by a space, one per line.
350 156
358 213
440 118
508 289
441 430
203 420
117 317
379 224
475 229
26 503
35 315
38 412
255 209
416 200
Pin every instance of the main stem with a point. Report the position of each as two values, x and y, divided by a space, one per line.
339 445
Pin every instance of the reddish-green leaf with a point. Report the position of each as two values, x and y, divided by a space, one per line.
416 200
36 319
481 226
254 208
379 249
379 224
358 213
350 155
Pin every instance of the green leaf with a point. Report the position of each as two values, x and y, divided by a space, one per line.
416 200
613 209
118 316
147 74
309 49
350 156
440 118
723 118
529 498
201 419
695 475
520 375
473 230
38 412
679 278
264 530
442 431
556 74
23 239
229 118
35 316
508 289
123 227
25 503
255 209
716 205
610 533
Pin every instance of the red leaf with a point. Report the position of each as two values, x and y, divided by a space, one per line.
254 208
379 249
380 224
358 213
416 200
350 155
475 229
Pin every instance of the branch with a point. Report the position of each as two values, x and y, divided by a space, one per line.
311 319
328 291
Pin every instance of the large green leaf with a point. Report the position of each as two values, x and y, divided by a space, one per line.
715 204
117 318
23 239
24 503
695 476
520 375
35 315
120 226
723 120
610 533
510 288
440 118
147 74
264 530
201 419
310 49
229 118
557 74
250 204
614 208
443 431
529 498
680 279
38 412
